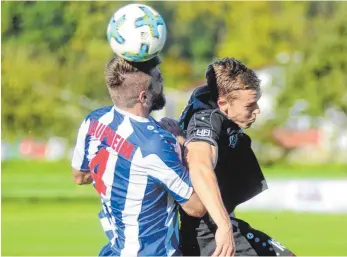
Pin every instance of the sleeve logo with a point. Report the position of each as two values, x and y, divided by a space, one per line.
203 132
233 141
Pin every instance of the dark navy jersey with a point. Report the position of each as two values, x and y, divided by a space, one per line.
237 170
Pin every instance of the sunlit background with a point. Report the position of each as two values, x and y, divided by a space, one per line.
53 58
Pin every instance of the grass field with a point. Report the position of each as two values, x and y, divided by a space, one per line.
45 214
29 179
70 228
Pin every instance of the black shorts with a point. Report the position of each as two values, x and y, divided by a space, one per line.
248 241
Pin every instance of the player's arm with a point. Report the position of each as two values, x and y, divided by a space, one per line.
168 169
201 156
194 206
80 163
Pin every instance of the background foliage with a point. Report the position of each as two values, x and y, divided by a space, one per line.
53 54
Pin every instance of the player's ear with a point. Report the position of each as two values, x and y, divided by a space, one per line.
222 104
143 97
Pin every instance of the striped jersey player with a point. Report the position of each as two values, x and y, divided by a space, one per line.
135 167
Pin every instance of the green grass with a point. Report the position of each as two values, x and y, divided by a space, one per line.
39 179
306 234
61 228
331 171
44 213
51 228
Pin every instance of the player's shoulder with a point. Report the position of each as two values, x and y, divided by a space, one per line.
162 140
159 142
210 117
97 113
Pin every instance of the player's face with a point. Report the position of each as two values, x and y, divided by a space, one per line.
155 91
244 109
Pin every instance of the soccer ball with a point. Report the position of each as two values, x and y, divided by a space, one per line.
136 32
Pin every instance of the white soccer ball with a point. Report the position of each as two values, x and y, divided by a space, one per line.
136 32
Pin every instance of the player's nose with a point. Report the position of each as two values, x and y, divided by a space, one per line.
256 110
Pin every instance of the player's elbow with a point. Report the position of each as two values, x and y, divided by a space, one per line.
198 212
194 207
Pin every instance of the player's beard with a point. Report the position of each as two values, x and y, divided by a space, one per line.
158 101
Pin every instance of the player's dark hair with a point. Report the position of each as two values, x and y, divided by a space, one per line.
224 76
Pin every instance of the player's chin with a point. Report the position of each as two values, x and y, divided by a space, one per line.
248 125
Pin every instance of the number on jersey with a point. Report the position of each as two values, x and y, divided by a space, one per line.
97 168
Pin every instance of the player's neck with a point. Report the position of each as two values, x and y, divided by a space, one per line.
138 111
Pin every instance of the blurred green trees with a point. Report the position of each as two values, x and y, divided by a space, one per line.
321 77
53 54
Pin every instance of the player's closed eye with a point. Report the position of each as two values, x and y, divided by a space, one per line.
250 106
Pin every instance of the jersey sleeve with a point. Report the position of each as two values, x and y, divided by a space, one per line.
167 168
204 126
79 158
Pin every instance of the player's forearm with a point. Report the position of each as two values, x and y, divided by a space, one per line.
205 184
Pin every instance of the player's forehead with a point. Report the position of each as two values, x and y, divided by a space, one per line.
250 95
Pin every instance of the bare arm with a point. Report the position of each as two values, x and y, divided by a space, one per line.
200 158
81 177
194 207
200 162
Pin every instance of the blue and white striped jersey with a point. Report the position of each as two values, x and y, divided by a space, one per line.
137 170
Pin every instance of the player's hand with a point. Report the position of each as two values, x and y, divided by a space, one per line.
170 125
224 241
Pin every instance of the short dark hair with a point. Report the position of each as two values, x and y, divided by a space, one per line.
125 80
228 75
